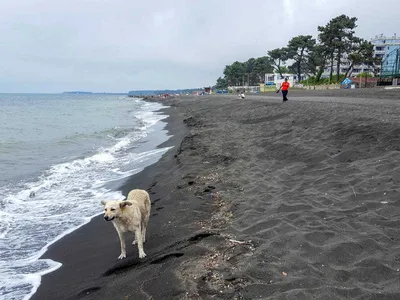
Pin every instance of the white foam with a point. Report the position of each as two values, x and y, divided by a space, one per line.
103 157
5 224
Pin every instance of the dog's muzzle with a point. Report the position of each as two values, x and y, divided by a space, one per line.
107 218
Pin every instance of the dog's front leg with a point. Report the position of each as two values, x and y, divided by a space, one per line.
123 247
139 239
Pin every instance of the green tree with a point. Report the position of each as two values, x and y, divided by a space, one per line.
250 77
250 72
262 65
227 74
250 64
364 75
299 49
316 61
234 73
278 58
362 52
221 83
285 70
338 37
327 47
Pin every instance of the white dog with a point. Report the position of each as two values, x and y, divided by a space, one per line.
132 215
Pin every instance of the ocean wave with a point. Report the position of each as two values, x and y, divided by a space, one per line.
10 146
37 213
112 133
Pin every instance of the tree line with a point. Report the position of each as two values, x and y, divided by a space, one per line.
336 44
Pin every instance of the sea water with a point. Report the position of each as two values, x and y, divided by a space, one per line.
60 155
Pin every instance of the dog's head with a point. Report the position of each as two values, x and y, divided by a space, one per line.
113 209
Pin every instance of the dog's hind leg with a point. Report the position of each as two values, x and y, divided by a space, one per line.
144 232
144 227
139 239
123 247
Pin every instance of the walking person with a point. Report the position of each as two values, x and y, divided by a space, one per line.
285 89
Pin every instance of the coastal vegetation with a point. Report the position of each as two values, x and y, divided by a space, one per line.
336 43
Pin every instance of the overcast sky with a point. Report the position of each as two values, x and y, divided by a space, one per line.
122 45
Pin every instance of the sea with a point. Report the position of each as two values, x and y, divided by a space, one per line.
60 155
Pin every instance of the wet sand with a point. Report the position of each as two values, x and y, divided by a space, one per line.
258 199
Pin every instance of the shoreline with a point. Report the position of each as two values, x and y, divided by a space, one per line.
257 199
54 280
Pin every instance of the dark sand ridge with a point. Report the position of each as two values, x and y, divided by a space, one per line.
264 200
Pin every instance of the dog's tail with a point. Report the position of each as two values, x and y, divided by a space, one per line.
147 205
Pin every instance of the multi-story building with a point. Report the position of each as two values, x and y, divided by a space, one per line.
383 47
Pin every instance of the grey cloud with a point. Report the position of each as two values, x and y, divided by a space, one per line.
52 46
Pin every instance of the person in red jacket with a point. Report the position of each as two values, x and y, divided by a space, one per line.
285 88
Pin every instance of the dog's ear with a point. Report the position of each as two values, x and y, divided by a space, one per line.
125 203
103 202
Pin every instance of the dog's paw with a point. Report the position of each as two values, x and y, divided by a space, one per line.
122 256
134 242
142 255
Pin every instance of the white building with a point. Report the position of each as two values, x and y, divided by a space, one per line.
277 79
383 45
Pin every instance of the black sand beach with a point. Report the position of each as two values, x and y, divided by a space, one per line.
258 199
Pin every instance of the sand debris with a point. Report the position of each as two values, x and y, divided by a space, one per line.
214 176
355 196
237 242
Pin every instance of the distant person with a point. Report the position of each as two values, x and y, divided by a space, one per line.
285 89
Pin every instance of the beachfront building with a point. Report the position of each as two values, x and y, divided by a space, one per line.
207 90
241 88
383 46
275 79
386 48
271 82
